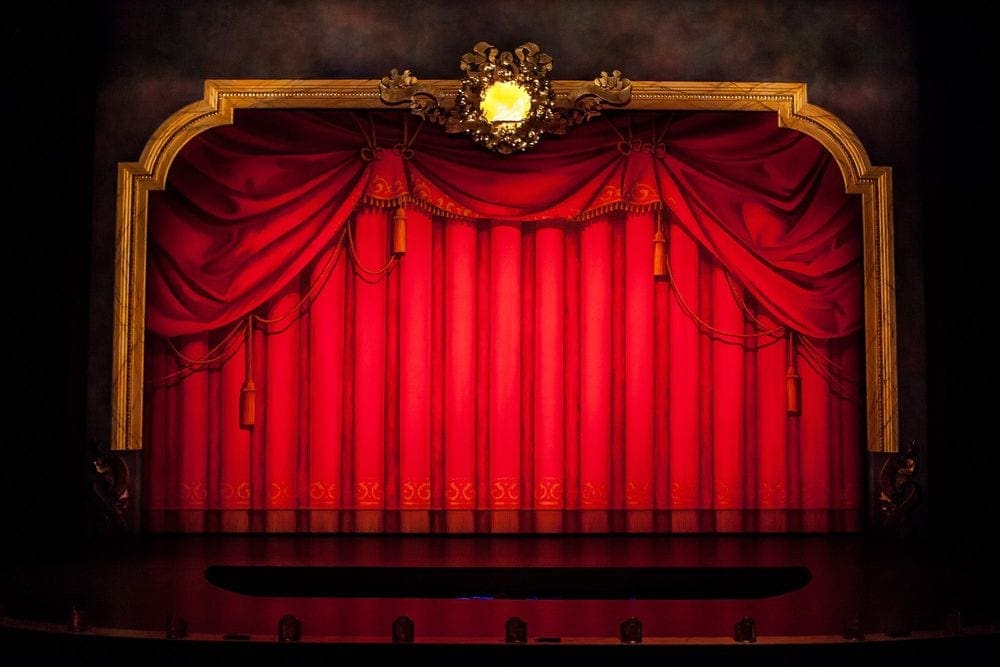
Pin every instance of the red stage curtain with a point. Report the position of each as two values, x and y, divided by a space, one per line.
521 355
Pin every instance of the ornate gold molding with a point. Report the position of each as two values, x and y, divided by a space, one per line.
523 73
788 100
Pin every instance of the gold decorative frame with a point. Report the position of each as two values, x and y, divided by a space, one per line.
222 97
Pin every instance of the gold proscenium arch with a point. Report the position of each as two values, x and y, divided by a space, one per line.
222 97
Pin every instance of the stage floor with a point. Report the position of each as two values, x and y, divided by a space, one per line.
135 584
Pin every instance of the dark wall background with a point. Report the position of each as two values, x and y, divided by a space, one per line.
91 84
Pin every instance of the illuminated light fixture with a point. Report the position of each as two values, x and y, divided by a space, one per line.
505 101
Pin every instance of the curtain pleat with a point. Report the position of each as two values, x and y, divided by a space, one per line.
772 428
571 371
371 233
497 368
596 392
728 403
460 364
505 367
415 364
437 384
549 368
683 380
483 357
639 345
527 371
326 388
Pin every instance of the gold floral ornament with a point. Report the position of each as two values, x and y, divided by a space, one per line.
505 99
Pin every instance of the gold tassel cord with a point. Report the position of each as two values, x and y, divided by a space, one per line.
380 272
840 381
659 248
702 323
186 371
248 392
212 355
832 367
370 138
222 351
316 287
399 231
741 301
793 383
406 148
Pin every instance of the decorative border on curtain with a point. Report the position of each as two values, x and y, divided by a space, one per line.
222 97
563 522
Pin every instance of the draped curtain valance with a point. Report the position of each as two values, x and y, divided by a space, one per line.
253 204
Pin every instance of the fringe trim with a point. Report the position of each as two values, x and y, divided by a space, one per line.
385 203
417 203
586 216
615 207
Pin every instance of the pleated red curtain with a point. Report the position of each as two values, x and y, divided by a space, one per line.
505 374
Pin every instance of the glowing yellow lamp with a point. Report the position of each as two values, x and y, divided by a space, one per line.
505 102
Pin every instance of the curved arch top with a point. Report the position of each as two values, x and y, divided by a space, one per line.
222 97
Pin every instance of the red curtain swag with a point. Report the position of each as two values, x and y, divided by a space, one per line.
521 355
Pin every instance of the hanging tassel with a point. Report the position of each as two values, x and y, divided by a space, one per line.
659 249
793 383
399 231
248 393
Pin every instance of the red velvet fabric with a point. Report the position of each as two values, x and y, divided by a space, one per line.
521 355
249 206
